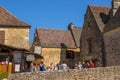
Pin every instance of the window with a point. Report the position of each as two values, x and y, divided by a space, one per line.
89 46
69 54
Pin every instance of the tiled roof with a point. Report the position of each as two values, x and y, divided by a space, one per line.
114 22
2 37
76 31
7 19
101 15
55 38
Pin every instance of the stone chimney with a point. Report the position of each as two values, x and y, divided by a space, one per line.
70 26
115 6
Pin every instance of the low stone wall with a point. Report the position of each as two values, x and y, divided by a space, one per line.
106 73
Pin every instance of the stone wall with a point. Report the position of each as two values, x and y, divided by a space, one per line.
106 73
112 47
55 55
16 36
51 55
91 42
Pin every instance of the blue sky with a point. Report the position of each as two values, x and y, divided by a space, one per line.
52 14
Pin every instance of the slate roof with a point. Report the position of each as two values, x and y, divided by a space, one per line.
101 15
76 32
7 19
114 22
55 38
2 37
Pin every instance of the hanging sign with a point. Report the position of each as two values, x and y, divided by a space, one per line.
30 58
37 49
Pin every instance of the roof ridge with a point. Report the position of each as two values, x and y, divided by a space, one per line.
99 6
51 29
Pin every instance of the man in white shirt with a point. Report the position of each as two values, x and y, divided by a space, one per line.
64 65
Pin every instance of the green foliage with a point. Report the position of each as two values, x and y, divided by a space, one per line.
3 75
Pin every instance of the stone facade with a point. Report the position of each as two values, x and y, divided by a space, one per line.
99 41
16 31
112 46
51 55
72 59
55 55
91 43
16 37
57 45
101 73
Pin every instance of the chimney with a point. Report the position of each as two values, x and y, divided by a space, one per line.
115 6
70 26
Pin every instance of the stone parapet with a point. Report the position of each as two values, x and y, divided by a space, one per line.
100 73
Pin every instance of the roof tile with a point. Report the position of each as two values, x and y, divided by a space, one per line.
101 15
7 19
76 31
55 38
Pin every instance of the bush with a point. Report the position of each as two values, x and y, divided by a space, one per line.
3 75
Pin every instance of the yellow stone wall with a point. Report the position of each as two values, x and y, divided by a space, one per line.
16 37
51 55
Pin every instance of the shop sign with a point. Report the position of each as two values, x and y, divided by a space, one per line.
30 58
17 57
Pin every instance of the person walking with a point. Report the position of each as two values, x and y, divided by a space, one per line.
51 67
64 66
42 66
79 65
60 66
84 64
91 64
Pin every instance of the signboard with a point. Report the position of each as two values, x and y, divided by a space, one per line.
37 49
17 57
30 58
18 61
17 67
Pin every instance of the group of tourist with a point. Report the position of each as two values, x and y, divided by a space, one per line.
81 65
41 67
60 66
37 67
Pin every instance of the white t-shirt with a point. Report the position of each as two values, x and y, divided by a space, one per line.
64 66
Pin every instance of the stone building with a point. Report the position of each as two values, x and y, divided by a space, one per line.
94 40
91 37
112 40
13 31
57 45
